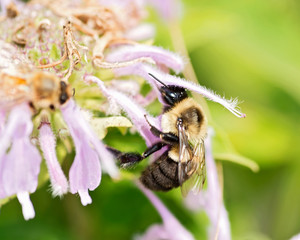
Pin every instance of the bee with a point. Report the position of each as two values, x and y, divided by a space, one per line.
184 127
39 88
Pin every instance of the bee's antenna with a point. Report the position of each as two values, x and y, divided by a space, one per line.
157 80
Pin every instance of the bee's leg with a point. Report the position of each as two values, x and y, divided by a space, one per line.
169 138
154 148
114 151
128 159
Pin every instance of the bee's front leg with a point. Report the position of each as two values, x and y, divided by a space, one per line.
169 138
128 159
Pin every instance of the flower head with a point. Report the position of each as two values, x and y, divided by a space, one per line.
101 34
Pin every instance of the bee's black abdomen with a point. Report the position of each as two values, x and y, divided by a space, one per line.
162 175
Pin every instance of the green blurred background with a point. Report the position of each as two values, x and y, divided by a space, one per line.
248 49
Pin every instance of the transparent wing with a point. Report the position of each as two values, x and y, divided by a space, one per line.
196 170
13 90
185 154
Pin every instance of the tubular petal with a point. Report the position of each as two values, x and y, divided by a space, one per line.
211 199
85 197
85 172
27 207
171 225
20 166
134 111
143 70
58 180
159 55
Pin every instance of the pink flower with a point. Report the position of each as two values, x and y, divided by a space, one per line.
20 166
20 160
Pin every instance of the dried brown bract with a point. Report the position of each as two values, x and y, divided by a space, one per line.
43 27
70 51
12 10
19 35
105 25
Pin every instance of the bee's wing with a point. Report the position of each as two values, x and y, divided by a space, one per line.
14 90
185 154
196 170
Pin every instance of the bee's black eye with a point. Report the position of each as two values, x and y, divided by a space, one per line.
52 107
63 98
173 94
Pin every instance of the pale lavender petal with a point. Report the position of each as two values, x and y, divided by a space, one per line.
59 183
143 70
145 101
141 32
4 3
21 165
171 225
154 232
122 4
140 70
85 173
296 237
168 9
106 158
134 111
223 229
75 117
84 197
14 121
159 55
129 87
27 207
2 120
210 199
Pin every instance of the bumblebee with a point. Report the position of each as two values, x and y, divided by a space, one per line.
39 88
183 129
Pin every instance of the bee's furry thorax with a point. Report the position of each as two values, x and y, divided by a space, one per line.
193 117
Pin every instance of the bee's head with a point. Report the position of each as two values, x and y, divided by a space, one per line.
171 93
65 92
